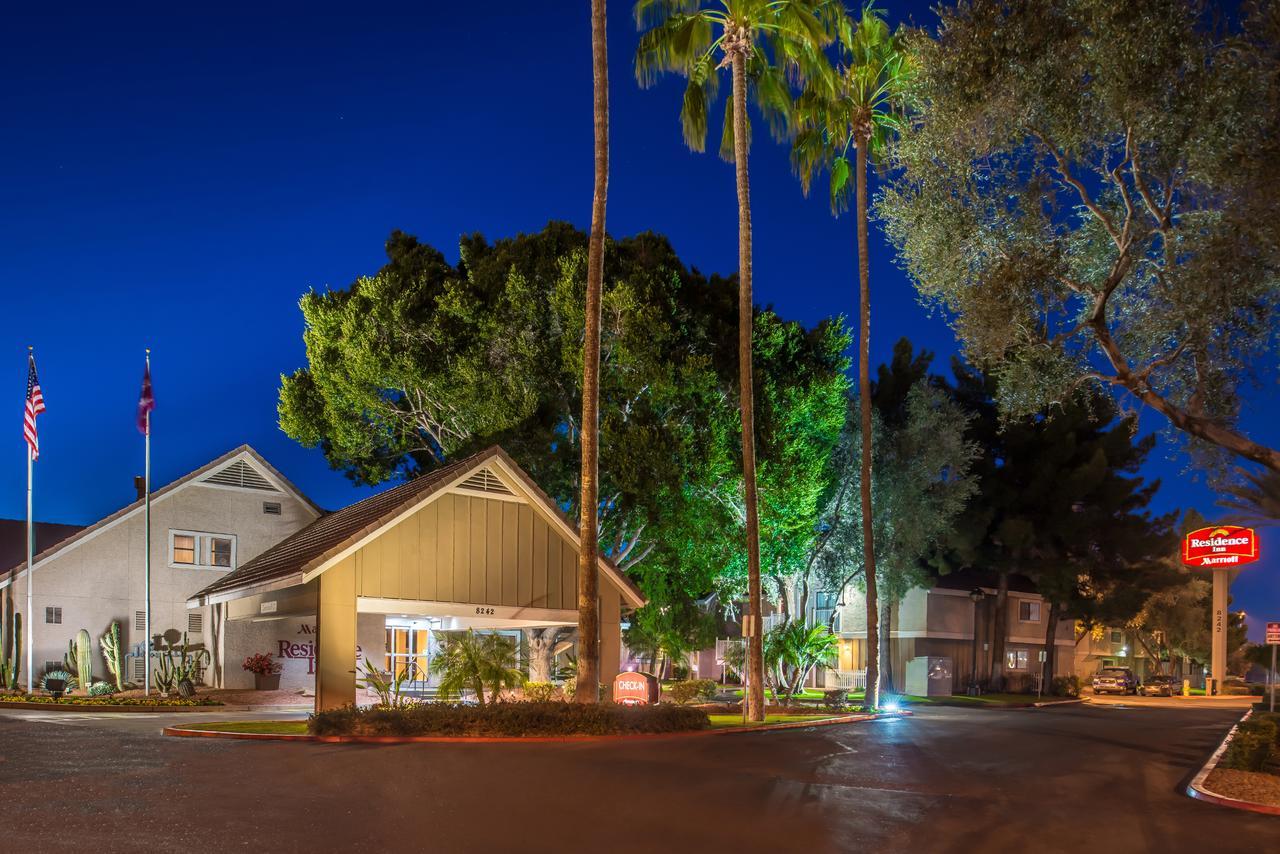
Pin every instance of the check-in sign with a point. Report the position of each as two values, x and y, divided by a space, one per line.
1273 633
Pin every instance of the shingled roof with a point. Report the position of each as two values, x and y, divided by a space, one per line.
311 547
81 534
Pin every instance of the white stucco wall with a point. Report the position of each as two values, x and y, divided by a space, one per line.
101 578
291 641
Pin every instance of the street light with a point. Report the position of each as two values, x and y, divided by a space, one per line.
977 596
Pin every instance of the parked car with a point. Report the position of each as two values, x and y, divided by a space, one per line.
1117 680
1161 686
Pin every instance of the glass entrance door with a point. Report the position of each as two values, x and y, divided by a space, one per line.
407 653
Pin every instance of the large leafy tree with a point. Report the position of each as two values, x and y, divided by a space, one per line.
856 109
761 42
588 530
921 483
1089 190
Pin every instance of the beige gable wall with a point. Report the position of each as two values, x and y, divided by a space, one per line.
101 579
474 550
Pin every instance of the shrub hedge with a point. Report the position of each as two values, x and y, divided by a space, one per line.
508 719
1255 744
688 690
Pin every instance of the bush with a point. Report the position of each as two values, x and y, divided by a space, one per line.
101 689
688 690
542 692
835 698
1253 745
508 719
1065 686
108 701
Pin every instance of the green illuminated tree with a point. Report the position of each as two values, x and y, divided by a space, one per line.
763 43
1089 191
856 108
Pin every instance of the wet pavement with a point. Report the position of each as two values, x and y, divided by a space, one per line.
1104 778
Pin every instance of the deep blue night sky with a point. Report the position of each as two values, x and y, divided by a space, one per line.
176 178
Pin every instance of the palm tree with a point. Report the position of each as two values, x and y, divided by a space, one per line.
761 42
858 106
588 687
1257 499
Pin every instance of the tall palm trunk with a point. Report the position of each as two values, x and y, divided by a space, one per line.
999 634
588 688
755 644
864 406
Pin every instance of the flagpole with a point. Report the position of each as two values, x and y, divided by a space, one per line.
146 688
30 557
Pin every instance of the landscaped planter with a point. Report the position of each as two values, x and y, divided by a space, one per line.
266 681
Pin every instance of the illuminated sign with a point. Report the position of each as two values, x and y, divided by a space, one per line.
1273 634
1220 545
635 689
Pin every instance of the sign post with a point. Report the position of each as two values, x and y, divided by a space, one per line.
1220 548
1273 640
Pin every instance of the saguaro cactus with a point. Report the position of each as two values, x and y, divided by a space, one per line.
112 654
11 654
84 659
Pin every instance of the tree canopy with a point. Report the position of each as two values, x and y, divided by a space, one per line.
1088 189
426 361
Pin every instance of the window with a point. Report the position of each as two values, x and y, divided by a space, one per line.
140 621
271 508
1117 637
1015 659
53 614
184 549
208 551
50 666
1028 611
195 623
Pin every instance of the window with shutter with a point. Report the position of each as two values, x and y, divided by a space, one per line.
53 614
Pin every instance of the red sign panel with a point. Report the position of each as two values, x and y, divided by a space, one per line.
635 689
1220 545
1273 633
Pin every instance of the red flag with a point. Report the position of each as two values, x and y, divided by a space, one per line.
146 401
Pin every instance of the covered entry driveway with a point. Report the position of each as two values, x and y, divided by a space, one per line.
476 544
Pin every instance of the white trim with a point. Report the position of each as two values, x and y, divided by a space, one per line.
955 636
512 481
465 610
276 491
164 493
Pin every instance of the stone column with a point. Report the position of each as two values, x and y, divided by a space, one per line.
336 641
610 633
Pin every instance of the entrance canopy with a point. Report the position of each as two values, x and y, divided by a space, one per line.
476 542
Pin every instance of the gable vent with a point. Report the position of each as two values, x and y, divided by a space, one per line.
486 481
240 474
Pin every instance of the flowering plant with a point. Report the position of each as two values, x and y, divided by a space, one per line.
261 665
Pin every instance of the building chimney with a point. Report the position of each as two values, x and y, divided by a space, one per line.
140 484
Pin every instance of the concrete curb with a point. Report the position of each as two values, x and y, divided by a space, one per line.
1196 789
183 732
107 707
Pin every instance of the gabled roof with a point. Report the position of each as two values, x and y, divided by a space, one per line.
309 550
84 534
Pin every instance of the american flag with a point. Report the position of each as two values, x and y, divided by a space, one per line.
35 405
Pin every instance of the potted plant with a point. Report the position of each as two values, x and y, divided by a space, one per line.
266 672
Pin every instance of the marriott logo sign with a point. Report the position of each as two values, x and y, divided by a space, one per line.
1220 545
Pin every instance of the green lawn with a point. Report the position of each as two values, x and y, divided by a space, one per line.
962 699
726 721
806 694
268 727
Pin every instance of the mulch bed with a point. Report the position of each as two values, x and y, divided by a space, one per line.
1253 786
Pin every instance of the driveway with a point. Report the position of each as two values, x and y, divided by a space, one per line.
946 780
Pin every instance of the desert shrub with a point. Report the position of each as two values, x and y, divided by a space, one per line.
101 689
542 692
508 719
1253 744
835 698
109 701
1065 686
688 690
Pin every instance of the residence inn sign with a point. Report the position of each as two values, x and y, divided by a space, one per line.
1220 545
